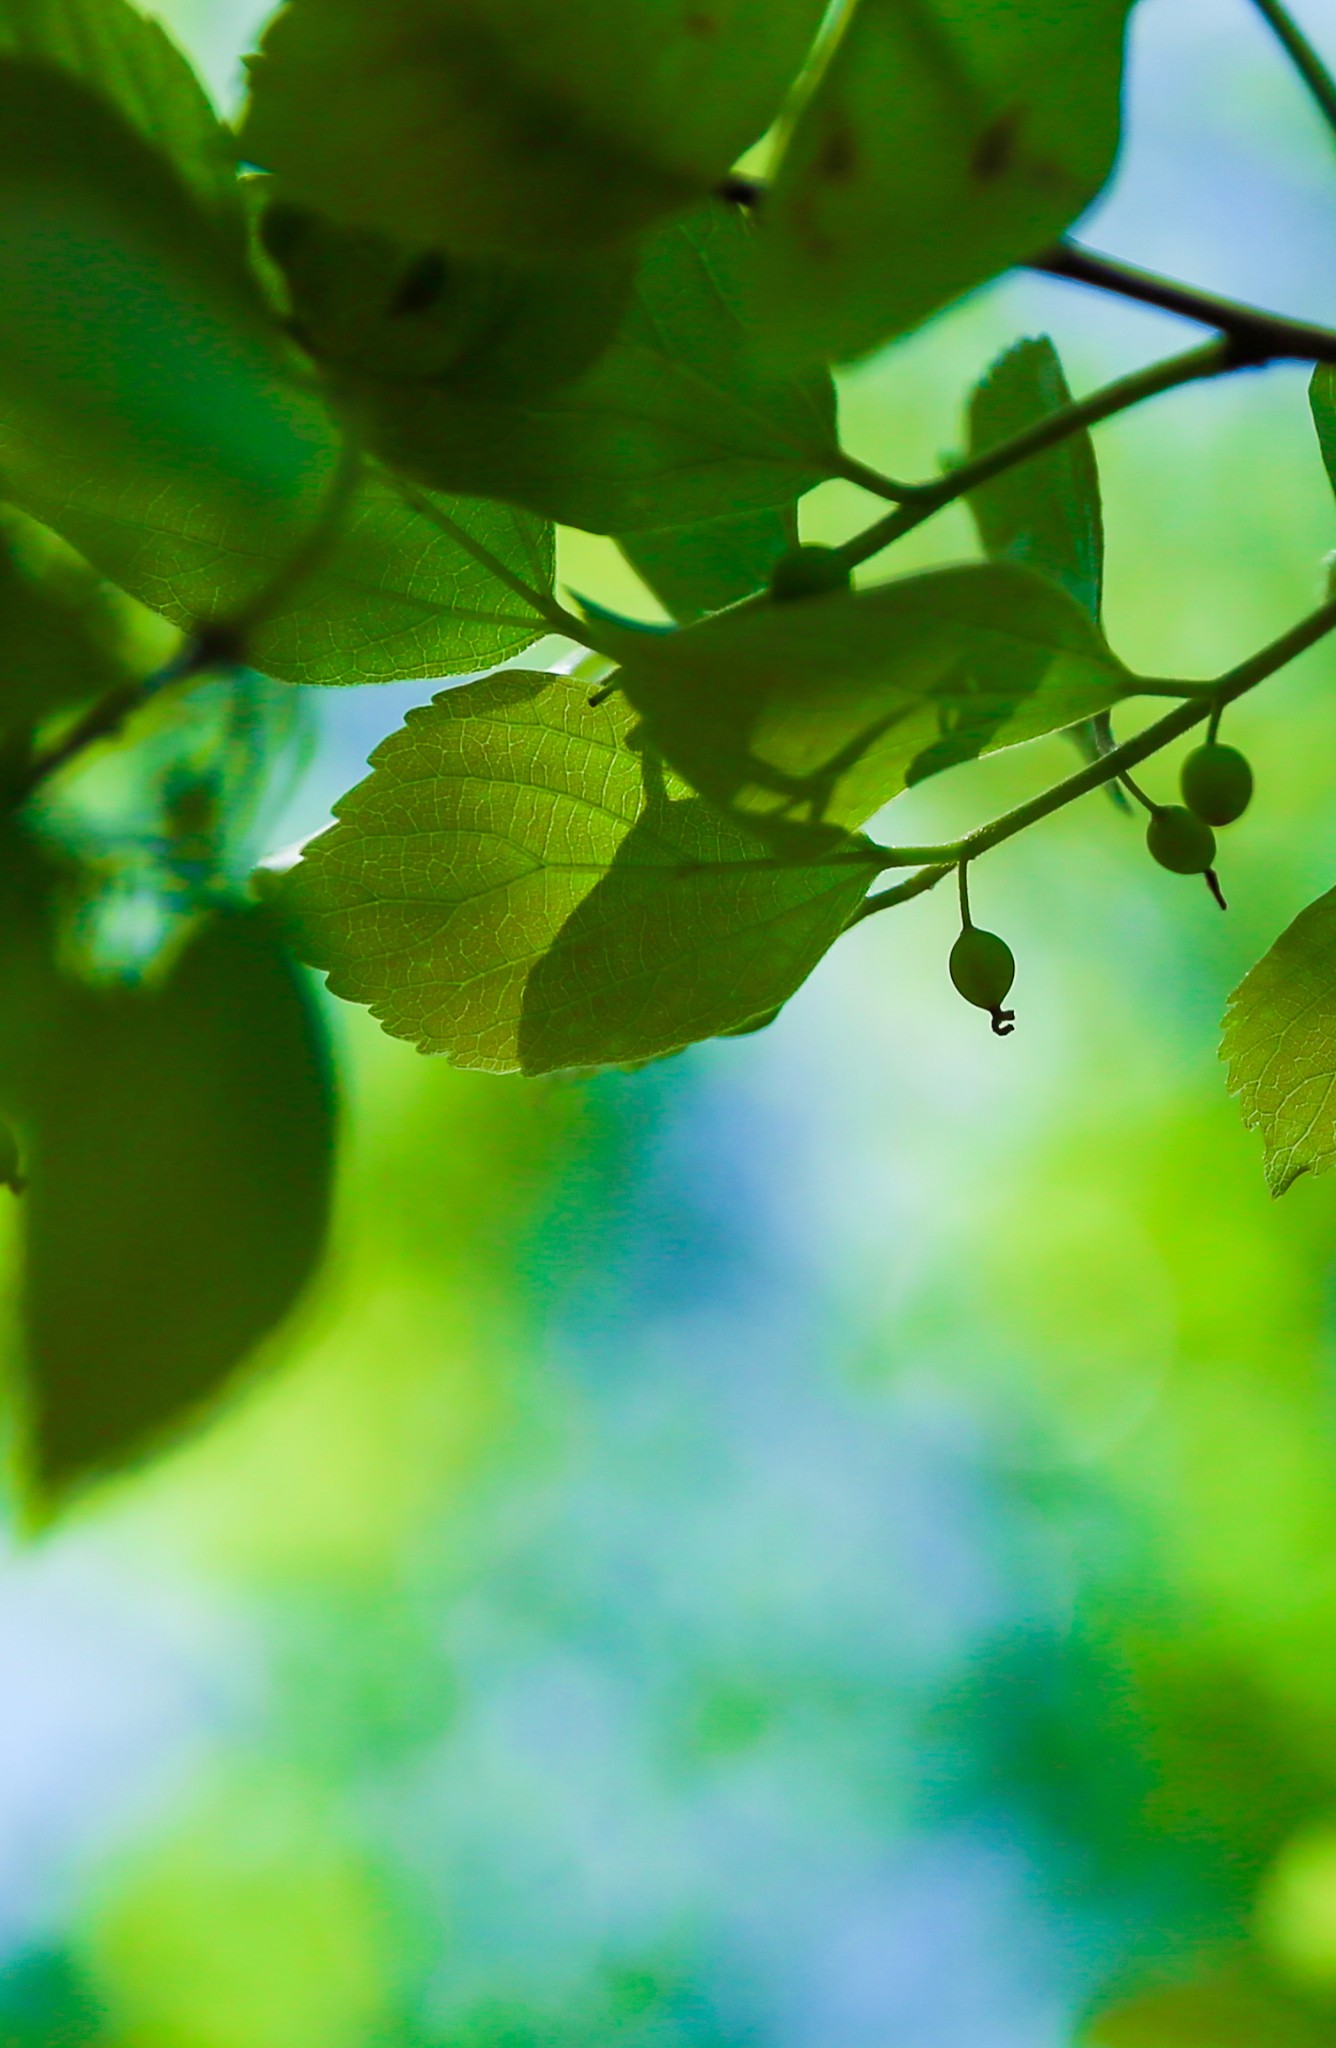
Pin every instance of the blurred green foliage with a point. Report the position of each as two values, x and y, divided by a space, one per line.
827 1540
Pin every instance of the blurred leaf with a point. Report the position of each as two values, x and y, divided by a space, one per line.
489 328
827 707
149 414
947 140
1236 2008
140 379
513 886
514 125
177 1149
1045 513
130 62
675 422
695 570
51 652
1322 401
1280 1042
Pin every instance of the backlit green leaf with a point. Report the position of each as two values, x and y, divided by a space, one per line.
947 140
695 570
399 594
129 61
176 1144
1280 1043
139 375
515 887
1044 513
675 423
517 125
149 414
482 328
825 708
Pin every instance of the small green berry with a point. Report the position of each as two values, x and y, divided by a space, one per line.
1217 783
1179 841
808 572
983 969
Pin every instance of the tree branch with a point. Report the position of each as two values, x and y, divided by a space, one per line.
1303 56
1256 336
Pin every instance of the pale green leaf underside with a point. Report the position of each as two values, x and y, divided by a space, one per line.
512 886
826 708
1280 1043
948 140
1045 513
674 424
513 126
396 597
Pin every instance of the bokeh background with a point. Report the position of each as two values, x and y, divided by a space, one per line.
830 1541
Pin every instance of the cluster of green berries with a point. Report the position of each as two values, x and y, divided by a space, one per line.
1216 785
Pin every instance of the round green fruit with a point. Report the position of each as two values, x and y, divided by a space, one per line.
1217 783
1180 841
983 969
808 572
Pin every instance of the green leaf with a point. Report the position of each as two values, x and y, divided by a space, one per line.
1044 513
824 709
130 62
695 570
149 414
1280 1043
947 140
404 591
1322 400
176 1145
675 423
515 887
517 126
485 329
139 371
52 651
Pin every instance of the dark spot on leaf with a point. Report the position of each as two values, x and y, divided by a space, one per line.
995 151
420 287
838 159
699 22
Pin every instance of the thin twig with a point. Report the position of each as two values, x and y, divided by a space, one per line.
1212 359
1303 56
1257 336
